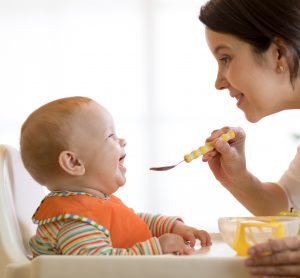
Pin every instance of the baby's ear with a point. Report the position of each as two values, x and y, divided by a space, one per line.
70 163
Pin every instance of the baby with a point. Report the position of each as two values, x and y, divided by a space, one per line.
70 146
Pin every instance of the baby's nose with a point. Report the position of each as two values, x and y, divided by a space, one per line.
123 142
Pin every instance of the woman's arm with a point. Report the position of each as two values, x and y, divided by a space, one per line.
260 198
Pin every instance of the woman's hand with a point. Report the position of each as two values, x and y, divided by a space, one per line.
275 258
228 164
190 234
227 161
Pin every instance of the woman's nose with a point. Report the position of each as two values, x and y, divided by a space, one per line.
221 82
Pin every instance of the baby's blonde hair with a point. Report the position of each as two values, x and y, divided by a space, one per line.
44 135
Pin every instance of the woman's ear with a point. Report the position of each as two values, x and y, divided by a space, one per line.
71 164
282 55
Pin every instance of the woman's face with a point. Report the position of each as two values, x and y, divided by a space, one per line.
252 79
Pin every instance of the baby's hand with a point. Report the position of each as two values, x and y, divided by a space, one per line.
191 234
171 243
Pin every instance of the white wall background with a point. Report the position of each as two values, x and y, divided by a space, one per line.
148 63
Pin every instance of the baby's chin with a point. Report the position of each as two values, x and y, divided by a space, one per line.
122 181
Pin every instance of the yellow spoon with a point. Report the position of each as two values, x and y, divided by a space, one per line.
209 146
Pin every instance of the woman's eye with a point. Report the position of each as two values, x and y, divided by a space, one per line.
225 60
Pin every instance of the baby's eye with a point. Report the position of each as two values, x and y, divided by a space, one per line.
112 136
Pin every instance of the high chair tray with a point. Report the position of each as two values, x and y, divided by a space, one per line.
218 260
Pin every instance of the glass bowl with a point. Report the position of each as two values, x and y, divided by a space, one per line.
242 232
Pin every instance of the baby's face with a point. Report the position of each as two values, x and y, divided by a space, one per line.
100 149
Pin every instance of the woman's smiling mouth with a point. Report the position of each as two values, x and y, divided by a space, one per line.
239 97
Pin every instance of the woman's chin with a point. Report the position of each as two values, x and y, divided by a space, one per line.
252 118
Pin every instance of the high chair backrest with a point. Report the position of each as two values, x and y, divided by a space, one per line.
20 195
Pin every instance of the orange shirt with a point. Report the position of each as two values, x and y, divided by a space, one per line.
125 227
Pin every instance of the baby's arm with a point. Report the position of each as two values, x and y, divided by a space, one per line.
158 224
79 238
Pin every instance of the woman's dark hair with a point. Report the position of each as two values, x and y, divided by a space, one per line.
259 23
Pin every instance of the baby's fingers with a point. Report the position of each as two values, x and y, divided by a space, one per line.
204 238
184 249
188 250
190 238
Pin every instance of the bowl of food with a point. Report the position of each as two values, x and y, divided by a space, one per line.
242 232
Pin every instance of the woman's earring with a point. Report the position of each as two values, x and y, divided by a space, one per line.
280 69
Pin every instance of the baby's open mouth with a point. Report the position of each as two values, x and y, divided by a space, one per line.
122 158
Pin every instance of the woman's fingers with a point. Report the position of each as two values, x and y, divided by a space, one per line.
277 271
276 258
275 245
280 258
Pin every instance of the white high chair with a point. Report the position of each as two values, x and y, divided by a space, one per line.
19 197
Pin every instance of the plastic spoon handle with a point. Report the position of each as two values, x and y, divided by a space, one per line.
209 146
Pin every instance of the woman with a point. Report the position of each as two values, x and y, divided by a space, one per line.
257 46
